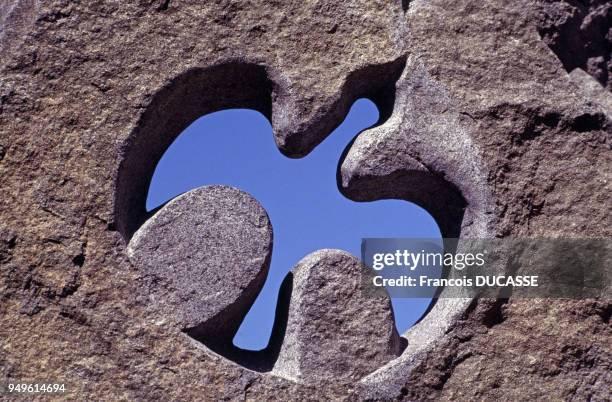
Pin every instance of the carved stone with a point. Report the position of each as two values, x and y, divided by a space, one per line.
485 122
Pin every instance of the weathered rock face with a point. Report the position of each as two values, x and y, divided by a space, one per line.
578 33
488 121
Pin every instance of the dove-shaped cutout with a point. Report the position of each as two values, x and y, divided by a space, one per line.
420 151
308 213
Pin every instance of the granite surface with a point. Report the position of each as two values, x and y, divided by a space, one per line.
495 117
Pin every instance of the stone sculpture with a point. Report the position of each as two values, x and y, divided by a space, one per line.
486 121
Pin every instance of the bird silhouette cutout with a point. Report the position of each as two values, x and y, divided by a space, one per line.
236 148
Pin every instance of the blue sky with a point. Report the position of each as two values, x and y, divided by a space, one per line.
235 147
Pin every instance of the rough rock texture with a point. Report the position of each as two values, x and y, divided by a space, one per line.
477 105
579 34
330 316
16 16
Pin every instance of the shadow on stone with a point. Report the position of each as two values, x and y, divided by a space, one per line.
220 342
